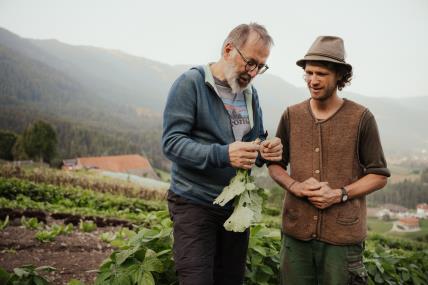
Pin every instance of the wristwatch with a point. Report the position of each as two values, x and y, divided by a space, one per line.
344 196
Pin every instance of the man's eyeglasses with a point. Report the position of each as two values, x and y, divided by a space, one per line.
250 65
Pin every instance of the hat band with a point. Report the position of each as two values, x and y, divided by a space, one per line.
327 55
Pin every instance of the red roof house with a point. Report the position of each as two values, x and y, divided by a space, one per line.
133 164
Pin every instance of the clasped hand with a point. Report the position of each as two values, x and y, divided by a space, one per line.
320 194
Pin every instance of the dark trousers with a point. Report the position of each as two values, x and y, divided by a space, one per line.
204 252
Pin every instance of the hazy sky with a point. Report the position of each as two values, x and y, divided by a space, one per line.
386 40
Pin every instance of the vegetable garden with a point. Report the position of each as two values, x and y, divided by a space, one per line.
130 238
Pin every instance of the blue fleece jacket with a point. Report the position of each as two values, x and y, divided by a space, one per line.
196 134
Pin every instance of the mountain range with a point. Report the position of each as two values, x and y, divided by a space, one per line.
120 97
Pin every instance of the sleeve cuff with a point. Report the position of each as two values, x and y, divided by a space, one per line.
221 155
378 171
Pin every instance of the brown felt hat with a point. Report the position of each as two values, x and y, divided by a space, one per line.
326 48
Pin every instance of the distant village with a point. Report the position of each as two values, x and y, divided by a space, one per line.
405 220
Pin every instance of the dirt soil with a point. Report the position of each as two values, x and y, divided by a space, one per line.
74 256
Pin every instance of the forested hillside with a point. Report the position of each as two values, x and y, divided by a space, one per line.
107 102
86 123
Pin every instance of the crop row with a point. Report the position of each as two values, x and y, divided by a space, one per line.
146 257
23 194
82 179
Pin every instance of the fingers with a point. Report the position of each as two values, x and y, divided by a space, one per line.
312 181
243 154
266 144
247 163
248 155
271 142
316 200
310 193
271 152
244 146
249 146
270 156
317 186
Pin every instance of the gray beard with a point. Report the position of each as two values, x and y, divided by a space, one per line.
232 78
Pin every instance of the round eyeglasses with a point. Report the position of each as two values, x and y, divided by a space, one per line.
251 64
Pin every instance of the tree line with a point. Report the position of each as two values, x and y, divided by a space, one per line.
37 142
51 143
406 193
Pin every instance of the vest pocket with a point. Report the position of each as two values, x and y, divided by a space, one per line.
348 213
291 214
347 221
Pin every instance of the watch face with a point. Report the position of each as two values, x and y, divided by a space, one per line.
344 198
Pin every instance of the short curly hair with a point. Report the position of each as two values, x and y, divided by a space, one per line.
344 71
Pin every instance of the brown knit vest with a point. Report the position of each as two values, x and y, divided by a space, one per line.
327 151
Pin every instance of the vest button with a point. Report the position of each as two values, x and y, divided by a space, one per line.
317 171
317 149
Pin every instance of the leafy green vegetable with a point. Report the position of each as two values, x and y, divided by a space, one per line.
247 211
87 226
31 223
27 274
235 188
53 231
248 202
3 224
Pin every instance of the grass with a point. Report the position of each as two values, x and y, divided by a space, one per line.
421 235
163 175
383 227
376 225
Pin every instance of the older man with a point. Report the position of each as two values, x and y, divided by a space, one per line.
211 119
332 145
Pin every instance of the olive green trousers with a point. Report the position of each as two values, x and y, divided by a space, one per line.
318 263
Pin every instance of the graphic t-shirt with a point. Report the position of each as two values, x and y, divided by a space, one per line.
236 107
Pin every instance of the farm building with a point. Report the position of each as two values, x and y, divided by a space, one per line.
422 210
132 164
407 224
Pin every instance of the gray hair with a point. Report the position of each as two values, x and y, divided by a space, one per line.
239 35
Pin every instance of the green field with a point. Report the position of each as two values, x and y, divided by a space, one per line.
377 226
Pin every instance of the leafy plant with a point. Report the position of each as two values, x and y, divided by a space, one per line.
87 226
119 238
75 282
263 256
31 223
27 274
248 201
46 235
143 258
12 188
133 264
3 224
52 232
83 179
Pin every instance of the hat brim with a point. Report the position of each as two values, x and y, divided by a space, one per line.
302 62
